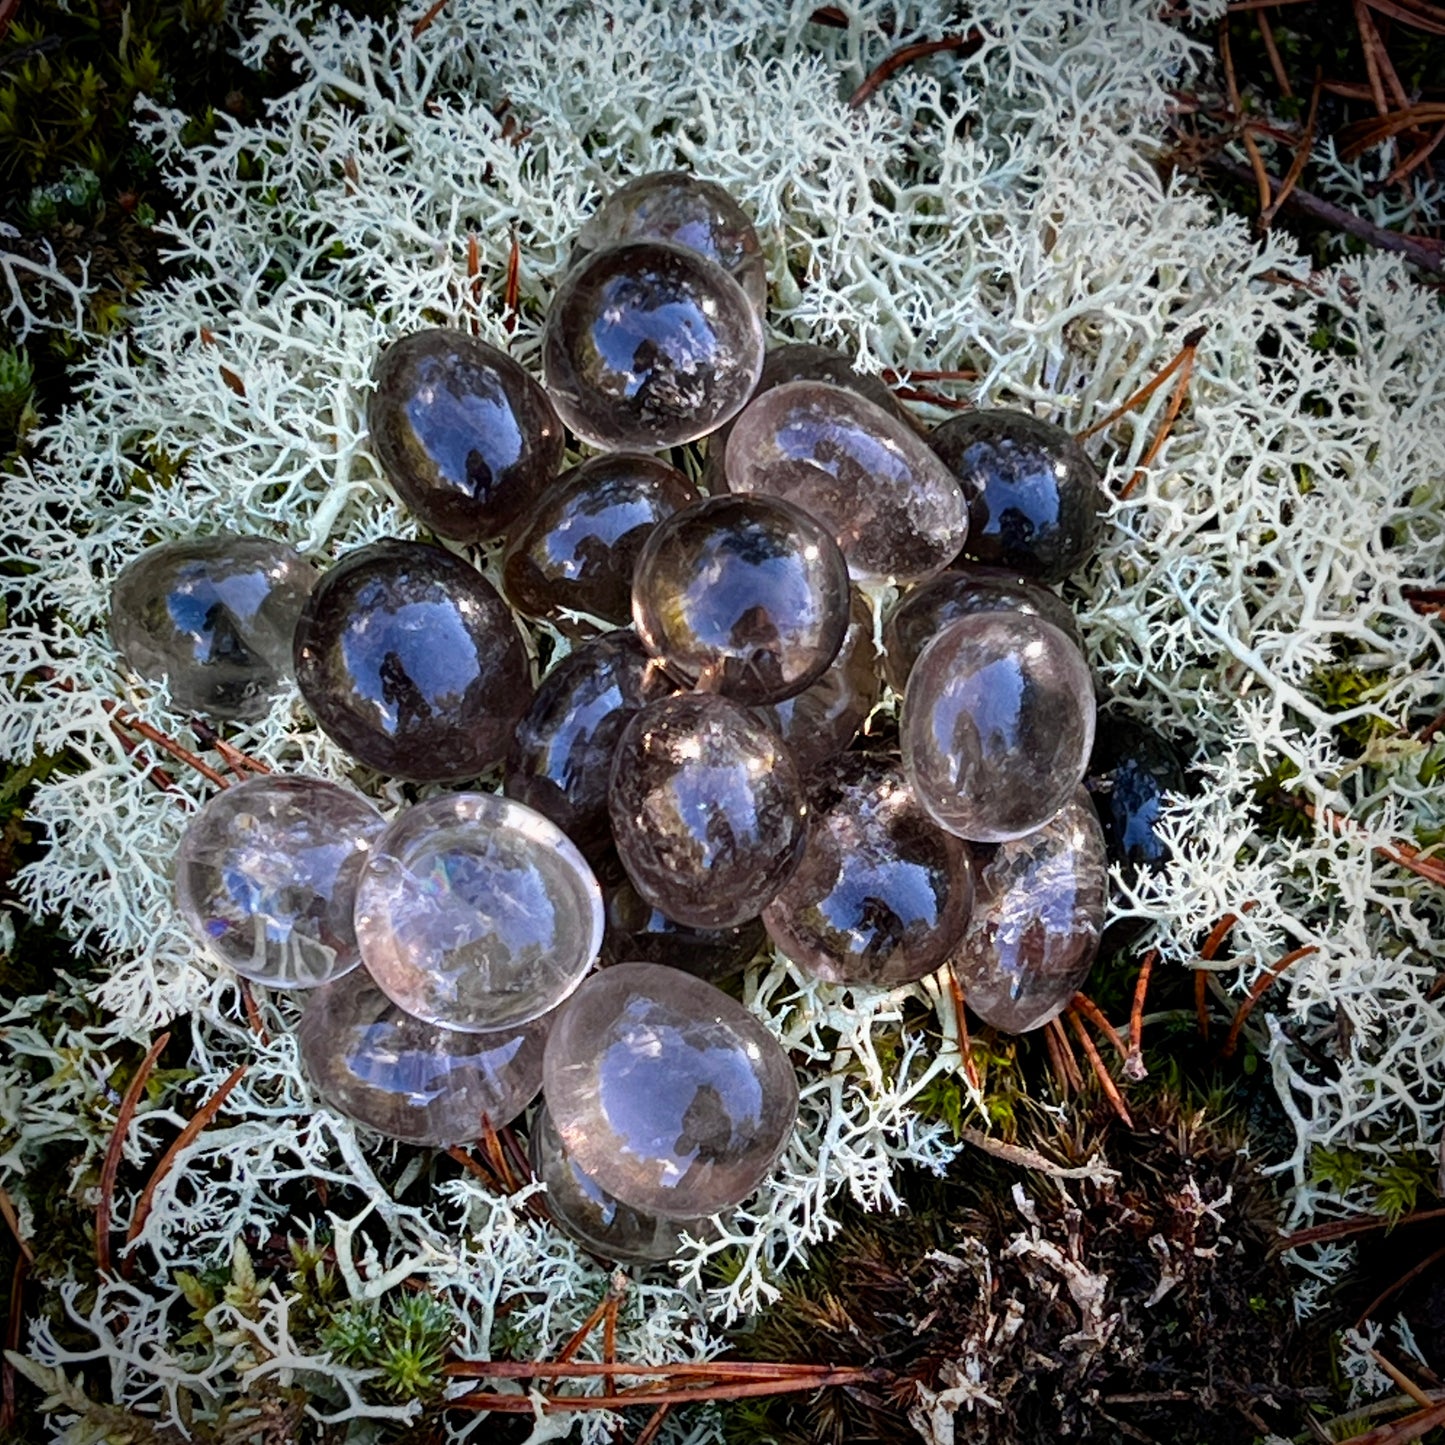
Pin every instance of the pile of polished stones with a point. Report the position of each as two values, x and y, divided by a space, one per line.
690 776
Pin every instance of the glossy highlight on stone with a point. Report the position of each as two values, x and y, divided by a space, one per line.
708 810
411 662
671 1096
894 509
409 1079
1131 774
639 933
266 878
466 436
1037 913
576 546
648 345
883 893
744 596
997 724
476 913
1035 501
214 616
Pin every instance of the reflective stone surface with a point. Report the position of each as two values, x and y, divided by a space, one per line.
678 207
589 1215
1037 911
708 810
214 616
671 1096
1132 772
411 661
476 913
744 596
577 545
882 893
997 724
648 345
466 436
639 933
409 1079
922 613
1036 504
266 877
894 509
560 761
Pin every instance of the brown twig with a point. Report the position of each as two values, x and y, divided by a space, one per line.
1347 1228
964 44
1405 854
7 1209
1091 1011
653 1428
1056 1063
15 1322
1171 412
1301 159
162 740
492 1148
965 1044
513 288
425 23
1403 1380
1417 157
1067 1057
1429 18
1134 1062
1138 398
587 1326
585 1369
932 398
1111 1090
1236 111
1257 992
1359 137
1431 728
1377 61
253 1013
475 1167
1212 945
1281 77
111 1167
233 757
1402 1432
1399 1284
154 772
609 1340
1201 1001
902 378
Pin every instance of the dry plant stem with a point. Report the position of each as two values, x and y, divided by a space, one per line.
474 278
965 44
1402 1432
1067 1061
1256 992
1416 13
1405 854
1281 79
1410 1274
253 1013
1110 1088
1417 157
1403 1380
1236 111
586 1369
932 398
1134 1060
1027 1158
426 21
7 1209
13 1327
965 1044
1345 1228
1377 61
1056 1064
1138 398
902 378
1171 412
154 772
513 285
114 1149
161 740
492 1148
653 1428
1091 1011
480 1171
609 1340
1438 721
1301 159
579 1339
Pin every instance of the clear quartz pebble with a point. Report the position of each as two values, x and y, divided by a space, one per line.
648 345
883 893
744 596
894 509
409 1079
639 933
997 724
476 913
590 1216
214 616
1037 913
670 1095
708 810
266 878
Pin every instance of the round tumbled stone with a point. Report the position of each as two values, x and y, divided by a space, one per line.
639 933
997 724
466 436
409 1079
894 509
648 345
708 810
411 662
214 617
669 1094
743 596
266 878
1131 775
476 913
882 893
1037 913
1035 501
575 549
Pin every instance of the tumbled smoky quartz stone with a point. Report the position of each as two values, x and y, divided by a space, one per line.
466 436
214 617
411 662
639 933
1131 775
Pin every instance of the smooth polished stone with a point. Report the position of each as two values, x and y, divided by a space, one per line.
409 1079
676 206
670 1095
639 933
591 1217
466 436
1036 504
575 548
214 617
560 762
997 724
1037 913
825 717
882 893
924 611
1130 777
266 877
708 810
476 913
411 662
894 509
648 345
743 596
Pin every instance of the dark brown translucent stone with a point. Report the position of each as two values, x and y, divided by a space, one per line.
882 893
639 933
708 810
466 436
745 596
411 661
1131 774
1035 502
576 546
648 345
560 761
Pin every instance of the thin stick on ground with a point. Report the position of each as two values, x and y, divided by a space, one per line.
1403 1380
426 21
1236 112
609 1339
1139 397
1101 1072
1031 1158
1281 76
162 740
1134 1061
1402 1432
579 1339
1171 412
1435 724
1301 158
496 1158
111 1167
1212 945
239 763
903 378
1091 1011
1361 1224
1409 1275
932 398
1257 992
962 44
154 772
965 1044
589 1369
513 288
653 1428
1056 1063
253 1013
1067 1059
1405 854
475 1168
